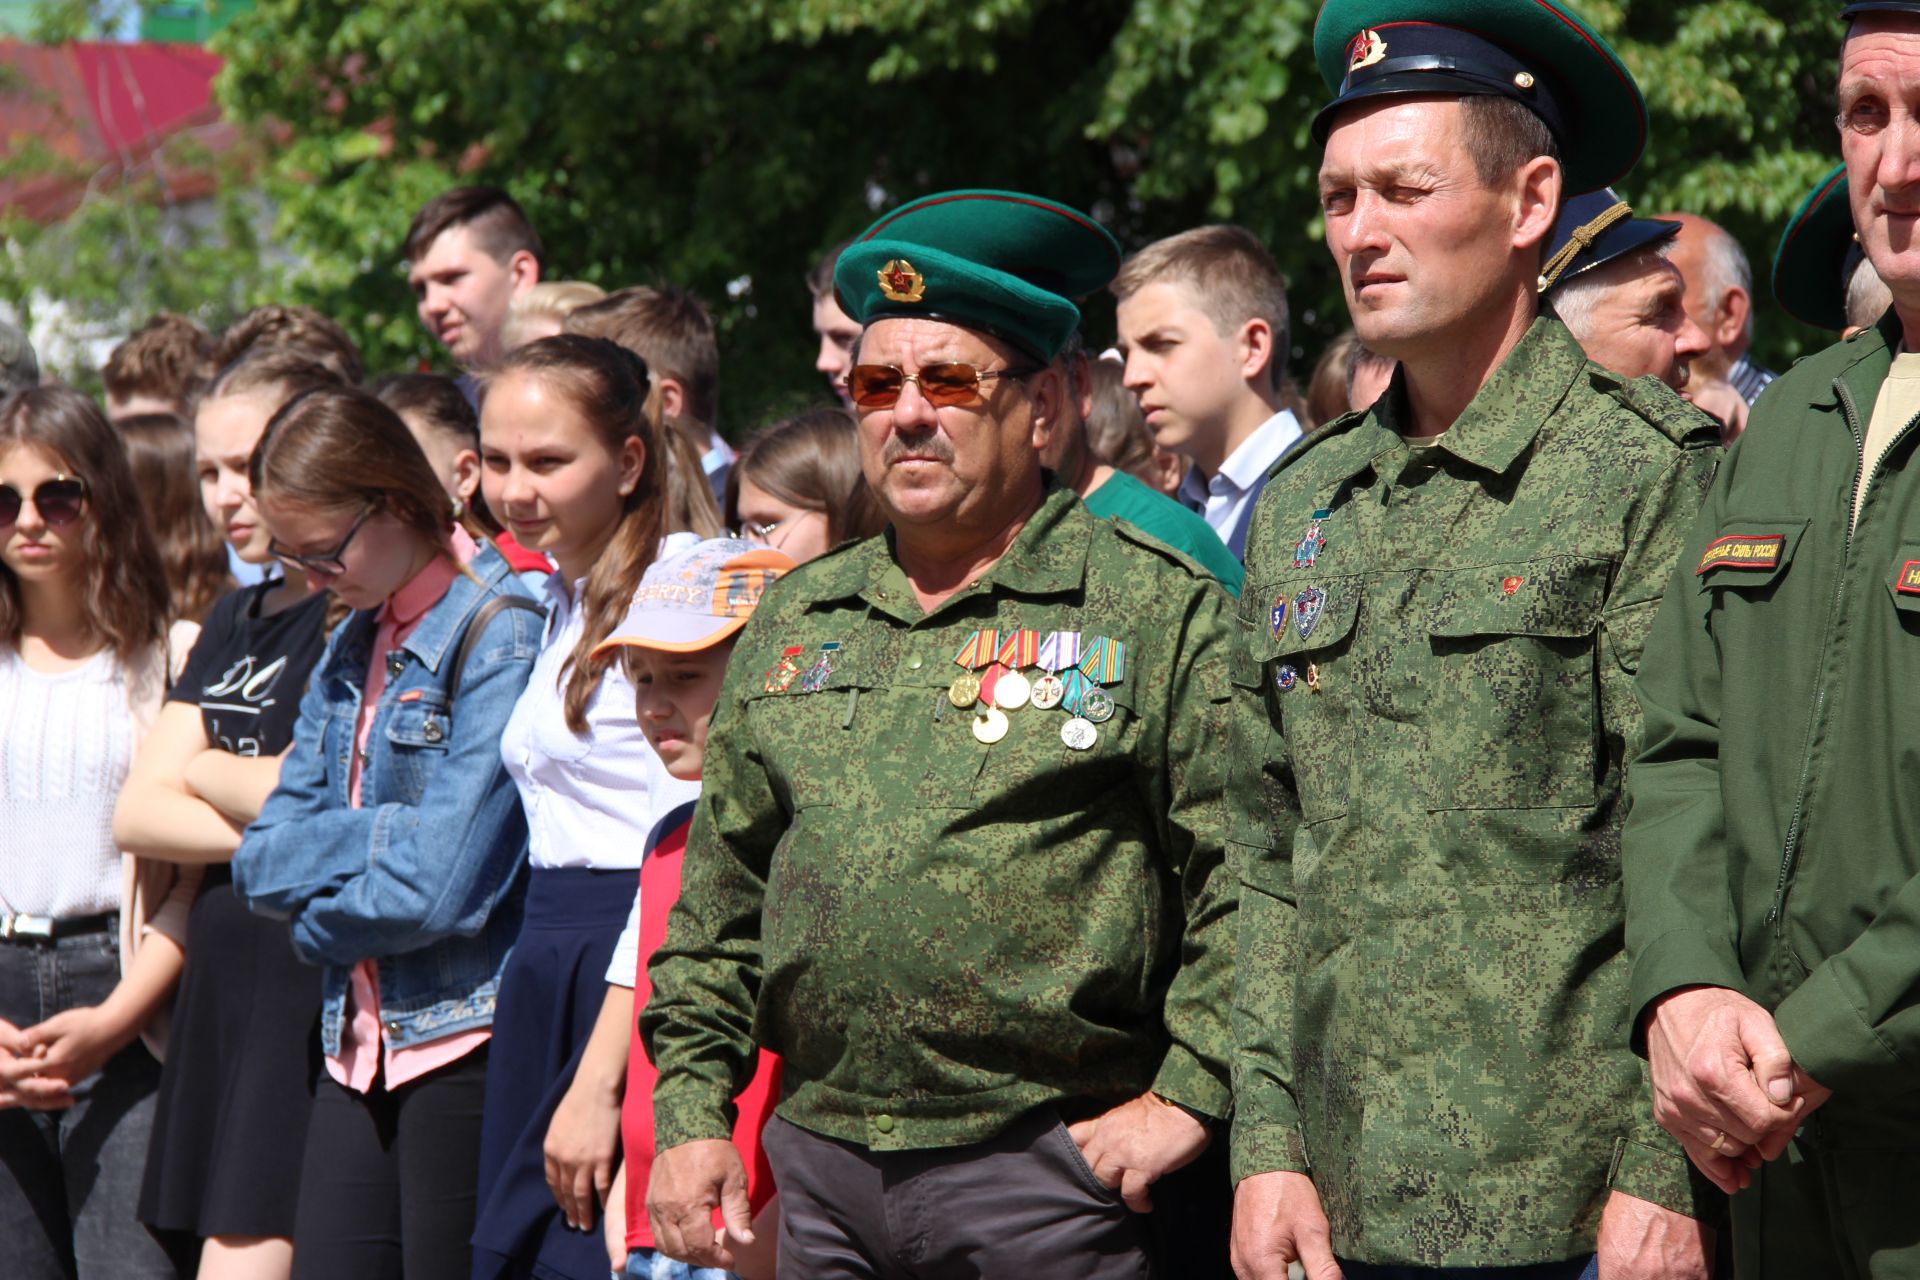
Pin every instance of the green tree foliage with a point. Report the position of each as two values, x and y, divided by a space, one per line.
725 145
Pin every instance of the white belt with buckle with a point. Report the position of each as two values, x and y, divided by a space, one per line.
21 925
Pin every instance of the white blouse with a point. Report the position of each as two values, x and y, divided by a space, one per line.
590 798
66 741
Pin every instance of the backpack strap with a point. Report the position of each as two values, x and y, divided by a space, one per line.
478 627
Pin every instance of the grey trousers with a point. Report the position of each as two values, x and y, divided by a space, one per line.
1023 1204
69 1179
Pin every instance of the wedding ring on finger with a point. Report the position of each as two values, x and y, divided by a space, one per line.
1719 1143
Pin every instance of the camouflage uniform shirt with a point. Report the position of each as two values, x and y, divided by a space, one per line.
938 934
1431 713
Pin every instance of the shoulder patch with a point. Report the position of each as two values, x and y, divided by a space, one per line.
1751 551
1679 421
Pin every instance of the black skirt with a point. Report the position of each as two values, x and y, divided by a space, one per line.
550 996
238 1081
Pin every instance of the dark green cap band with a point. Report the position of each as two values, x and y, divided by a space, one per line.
1810 266
1539 53
1005 263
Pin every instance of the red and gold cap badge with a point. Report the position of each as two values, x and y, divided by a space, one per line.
899 282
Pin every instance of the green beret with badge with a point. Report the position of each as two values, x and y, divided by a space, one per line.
1818 255
1001 262
1537 53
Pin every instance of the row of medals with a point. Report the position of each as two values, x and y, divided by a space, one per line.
1012 691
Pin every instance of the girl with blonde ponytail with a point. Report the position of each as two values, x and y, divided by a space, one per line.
573 466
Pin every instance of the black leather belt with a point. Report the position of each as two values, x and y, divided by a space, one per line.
20 927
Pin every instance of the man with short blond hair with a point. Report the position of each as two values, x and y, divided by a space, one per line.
1203 328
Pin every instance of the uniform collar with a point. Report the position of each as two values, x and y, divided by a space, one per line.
1048 556
1497 426
1868 356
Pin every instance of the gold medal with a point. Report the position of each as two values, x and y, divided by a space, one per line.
1079 734
990 726
964 691
1012 691
1047 692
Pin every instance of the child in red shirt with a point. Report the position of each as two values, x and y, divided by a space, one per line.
675 642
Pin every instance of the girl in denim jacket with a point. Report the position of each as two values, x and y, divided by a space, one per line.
395 846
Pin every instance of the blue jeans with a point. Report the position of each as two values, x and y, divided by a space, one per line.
651 1264
70 1180
1577 1269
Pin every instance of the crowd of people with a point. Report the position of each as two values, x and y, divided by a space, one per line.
1053 809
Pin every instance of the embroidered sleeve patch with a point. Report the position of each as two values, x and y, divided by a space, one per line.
1908 581
1743 551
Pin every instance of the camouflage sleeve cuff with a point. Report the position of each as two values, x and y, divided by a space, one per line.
1185 1079
1266 1148
688 1115
1664 1176
1679 958
1832 1042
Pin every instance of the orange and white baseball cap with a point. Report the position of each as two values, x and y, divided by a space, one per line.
696 599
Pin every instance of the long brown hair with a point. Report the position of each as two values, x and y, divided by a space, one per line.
340 449
124 586
810 461
607 386
160 453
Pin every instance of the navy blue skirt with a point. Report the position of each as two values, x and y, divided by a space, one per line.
550 996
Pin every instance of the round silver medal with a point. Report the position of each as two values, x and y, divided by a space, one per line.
1097 706
1079 734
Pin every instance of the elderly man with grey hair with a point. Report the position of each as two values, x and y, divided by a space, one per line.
1608 279
1720 300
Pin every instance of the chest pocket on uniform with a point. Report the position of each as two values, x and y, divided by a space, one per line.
1512 708
868 737
1748 557
1307 677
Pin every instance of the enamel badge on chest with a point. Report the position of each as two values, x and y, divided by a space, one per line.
1307 608
1308 549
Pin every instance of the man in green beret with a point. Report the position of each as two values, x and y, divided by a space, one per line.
1446 600
1821 275
959 858
1773 863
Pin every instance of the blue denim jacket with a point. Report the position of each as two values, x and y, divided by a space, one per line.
428 876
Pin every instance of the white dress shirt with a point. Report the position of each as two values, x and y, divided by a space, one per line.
590 798
1226 500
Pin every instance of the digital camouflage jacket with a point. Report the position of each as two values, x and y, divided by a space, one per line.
937 930
1432 705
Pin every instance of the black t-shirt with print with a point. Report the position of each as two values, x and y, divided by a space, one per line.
246 672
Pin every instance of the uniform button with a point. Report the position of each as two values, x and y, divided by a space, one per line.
393 1028
883 1122
914 664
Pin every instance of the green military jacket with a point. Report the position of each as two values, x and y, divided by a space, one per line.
1775 838
935 933
1431 713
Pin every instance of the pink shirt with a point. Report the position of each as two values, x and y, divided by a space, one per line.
362 1049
